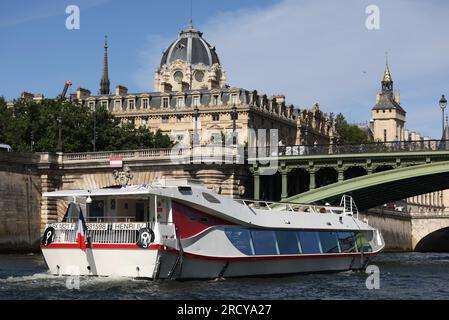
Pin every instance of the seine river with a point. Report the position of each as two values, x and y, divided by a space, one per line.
402 276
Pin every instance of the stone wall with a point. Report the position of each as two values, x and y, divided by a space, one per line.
20 197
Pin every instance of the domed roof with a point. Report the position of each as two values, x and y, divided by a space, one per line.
192 48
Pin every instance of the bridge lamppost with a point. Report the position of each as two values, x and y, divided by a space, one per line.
443 104
94 138
234 118
59 146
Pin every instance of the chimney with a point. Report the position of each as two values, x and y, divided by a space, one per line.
166 87
82 94
121 90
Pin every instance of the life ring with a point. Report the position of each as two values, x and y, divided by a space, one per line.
49 235
145 237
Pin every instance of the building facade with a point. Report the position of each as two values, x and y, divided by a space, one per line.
191 97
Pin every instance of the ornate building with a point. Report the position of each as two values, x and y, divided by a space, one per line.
191 94
388 117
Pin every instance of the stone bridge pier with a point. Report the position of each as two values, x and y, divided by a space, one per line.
411 231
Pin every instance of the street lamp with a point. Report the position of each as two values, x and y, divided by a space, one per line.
443 104
195 137
234 118
59 147
94 139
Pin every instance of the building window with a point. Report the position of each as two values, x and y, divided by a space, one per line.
196 101
180 102
164 119
104 104
234 98
92 104
131 104
385 135
216 117
178 119
118 104
164 102
145 103
215 99
145 120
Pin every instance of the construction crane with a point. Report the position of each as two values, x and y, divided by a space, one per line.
64 91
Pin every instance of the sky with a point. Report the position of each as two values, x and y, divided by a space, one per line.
310 51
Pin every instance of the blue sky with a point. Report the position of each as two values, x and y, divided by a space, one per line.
311 51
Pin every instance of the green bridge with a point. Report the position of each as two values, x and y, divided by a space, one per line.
374 174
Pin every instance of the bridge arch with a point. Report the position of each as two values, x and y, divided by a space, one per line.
298 181
436 241
325 176
382 168
354 172
369 190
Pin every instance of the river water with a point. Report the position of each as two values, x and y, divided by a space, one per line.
402 276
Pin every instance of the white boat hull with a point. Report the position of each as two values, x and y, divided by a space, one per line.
161 264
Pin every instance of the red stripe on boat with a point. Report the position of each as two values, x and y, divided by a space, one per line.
190 222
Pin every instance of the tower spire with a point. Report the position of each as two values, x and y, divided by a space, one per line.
105 83
387 81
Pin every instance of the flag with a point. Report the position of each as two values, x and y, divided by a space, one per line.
81 232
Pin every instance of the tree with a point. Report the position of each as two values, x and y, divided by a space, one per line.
348 133
32 126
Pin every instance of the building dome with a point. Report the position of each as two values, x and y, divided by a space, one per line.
191 48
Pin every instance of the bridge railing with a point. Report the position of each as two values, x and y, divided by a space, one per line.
373 147
205 153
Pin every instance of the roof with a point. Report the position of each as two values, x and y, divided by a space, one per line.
134 190
192 48
386 101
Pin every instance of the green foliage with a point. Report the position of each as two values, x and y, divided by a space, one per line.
348 133
31 126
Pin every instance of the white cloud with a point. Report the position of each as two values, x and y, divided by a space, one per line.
321 51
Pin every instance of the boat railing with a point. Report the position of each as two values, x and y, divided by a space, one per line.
290 206
104 219
110 233
348 203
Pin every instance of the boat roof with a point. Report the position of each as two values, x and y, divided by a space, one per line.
133 190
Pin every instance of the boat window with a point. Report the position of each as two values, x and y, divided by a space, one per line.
264 242
329 242
309 242
185 190
96 209
362 244
241 239
287 242
347 241
210 198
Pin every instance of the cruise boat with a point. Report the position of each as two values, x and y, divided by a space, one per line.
179 229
